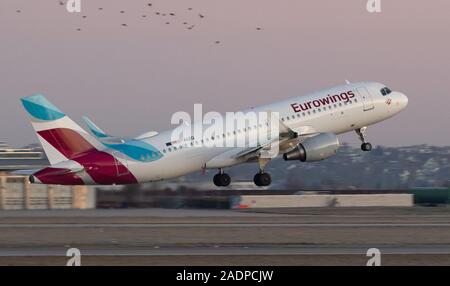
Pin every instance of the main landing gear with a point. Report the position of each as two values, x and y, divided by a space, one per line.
222 179
365 146
262 179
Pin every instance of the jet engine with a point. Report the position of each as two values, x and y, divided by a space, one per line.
317 148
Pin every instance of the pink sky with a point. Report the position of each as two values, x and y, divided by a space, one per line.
131 79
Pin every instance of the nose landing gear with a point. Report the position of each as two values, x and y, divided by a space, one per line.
365 146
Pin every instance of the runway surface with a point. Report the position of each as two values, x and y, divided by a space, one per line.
218 250
317 236
221 225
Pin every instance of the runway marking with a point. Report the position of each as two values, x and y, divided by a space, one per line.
232 250
220 225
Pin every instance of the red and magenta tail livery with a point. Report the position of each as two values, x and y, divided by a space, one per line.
76 157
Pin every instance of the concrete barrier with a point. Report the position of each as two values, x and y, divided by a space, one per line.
298 201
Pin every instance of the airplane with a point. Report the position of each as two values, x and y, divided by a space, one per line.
308 129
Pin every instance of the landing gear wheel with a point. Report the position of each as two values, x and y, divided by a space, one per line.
366 146
262 179
222 180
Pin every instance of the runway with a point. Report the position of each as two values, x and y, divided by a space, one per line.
218 250
224 225
319 236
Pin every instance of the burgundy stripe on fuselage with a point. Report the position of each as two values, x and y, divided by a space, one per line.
105 169
57 176
101 166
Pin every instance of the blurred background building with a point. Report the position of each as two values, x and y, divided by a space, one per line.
17 193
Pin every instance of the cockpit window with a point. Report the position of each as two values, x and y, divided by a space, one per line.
385 91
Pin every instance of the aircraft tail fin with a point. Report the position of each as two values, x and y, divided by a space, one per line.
61 138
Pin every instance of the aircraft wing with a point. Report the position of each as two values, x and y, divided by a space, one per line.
287 139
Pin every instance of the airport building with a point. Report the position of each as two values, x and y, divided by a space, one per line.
17 193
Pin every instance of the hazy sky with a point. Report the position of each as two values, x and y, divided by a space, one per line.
131 79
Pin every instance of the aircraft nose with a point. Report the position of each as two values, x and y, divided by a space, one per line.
403 100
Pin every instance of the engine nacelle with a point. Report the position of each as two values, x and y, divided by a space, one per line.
315 148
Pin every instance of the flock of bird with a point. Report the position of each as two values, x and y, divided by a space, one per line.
189 26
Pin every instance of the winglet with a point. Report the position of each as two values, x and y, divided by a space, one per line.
94 129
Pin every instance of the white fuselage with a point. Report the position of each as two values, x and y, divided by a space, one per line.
367 106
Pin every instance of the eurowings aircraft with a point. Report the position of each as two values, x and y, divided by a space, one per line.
308 129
